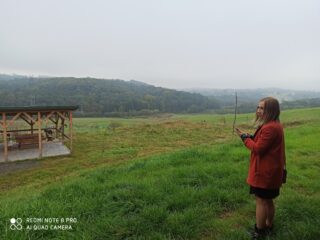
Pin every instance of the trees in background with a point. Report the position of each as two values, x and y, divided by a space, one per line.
98 97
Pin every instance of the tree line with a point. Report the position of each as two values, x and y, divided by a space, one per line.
101 97
118 98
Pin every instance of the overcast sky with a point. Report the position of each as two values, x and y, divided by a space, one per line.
168 43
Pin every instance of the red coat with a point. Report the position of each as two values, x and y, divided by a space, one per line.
267 156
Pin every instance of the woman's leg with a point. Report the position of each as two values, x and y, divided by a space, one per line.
261 213
270 212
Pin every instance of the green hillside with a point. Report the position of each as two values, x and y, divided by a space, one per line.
179 177
100 97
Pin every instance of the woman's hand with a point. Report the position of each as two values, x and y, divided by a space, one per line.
239 132
242 134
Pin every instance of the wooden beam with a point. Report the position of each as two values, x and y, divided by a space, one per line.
52 120
31 123
62 134
14 118
56 125
70 130
62 128
39 134
49 116
26 120
61 115
5 142
20 130
29 117
46 120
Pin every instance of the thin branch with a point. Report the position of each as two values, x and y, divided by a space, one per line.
235 112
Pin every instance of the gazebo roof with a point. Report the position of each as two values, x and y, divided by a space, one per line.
37 109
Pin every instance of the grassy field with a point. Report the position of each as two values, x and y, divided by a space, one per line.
170 177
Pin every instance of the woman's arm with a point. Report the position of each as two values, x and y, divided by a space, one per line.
266 138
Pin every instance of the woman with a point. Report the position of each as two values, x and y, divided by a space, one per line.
267 163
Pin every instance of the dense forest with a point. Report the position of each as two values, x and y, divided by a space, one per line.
100 97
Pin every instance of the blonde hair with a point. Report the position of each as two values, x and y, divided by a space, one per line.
271 111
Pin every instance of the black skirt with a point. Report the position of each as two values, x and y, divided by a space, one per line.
265 193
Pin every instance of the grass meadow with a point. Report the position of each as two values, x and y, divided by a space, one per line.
166 177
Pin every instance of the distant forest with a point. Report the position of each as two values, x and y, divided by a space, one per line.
118 98
99 97
248 98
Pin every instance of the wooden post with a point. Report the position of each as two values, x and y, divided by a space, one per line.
39 134
5 142
57 124
70 130
62 129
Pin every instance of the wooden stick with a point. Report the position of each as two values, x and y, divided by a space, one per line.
235 113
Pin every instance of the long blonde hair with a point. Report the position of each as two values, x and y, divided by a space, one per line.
271 112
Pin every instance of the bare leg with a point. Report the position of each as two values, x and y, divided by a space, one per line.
270 212
261 213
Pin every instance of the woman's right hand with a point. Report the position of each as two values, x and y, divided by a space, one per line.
239 132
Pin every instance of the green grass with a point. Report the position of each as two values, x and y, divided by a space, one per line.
177 178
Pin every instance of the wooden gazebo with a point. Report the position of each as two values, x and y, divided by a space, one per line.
25 131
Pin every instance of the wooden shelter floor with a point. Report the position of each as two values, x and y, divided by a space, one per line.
49 149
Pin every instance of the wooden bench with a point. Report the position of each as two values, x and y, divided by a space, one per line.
28 140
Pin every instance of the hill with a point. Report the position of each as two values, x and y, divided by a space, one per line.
100 97
118 98
248 95
248 98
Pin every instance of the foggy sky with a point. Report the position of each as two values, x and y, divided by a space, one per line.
175 44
